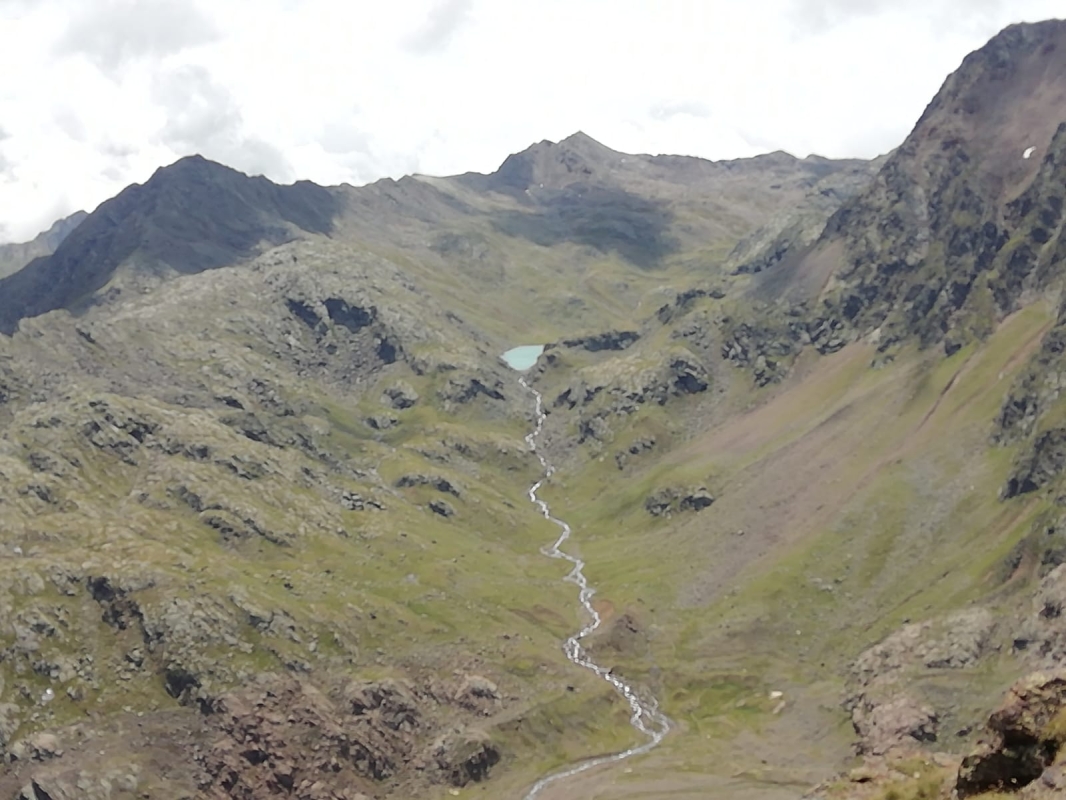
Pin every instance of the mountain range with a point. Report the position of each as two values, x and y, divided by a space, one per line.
264 518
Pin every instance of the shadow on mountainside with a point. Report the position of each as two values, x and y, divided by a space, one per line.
192 216
608 219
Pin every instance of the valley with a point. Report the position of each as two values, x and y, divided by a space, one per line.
277 518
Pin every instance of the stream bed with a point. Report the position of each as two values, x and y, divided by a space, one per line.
646 717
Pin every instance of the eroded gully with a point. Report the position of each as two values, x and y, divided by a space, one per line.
646 717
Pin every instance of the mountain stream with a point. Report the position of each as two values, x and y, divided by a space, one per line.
646 717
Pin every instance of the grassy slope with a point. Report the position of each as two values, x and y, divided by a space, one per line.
841 542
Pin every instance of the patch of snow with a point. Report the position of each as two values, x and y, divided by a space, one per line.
776 695
1028 152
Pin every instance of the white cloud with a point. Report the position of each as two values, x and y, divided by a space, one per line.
203 117
442 24
111 33
353 90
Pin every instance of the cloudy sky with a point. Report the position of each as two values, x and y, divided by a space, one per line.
96 94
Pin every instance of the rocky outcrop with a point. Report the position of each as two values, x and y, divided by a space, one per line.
672 500
608 340
285 739
637 448
437 482
442 508
1024 735
888 710
959 224
1039 465
400 396
1040 637
462 390
1036 388
478 694
899 720
203 216
464 758
382 422
625 391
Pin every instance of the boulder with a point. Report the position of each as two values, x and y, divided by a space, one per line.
478 694
442 508
382 422
39 747
399 396
464 757
899 721
669 500
1025 734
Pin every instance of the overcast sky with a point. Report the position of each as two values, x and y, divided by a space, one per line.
96 94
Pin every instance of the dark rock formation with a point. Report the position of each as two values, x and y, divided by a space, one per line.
400 396
671 500
608 340
957 225
1039 465
437 482
442 508
1025 734
192 216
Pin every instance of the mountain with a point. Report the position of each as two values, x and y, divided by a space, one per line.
15 256
195 215
965 217
188 217
265 527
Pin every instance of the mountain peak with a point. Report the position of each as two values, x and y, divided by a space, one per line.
960 223
191 216
582 142
1003 99
554 165
196 166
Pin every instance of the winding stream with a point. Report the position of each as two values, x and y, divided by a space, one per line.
646 717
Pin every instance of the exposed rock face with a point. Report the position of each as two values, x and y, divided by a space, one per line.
285 739
1041 635
461 390
795 229
673 500
465 758
899 721
438 482
442 508
608 340
1025 734
637 448
887 709
1036 389
478 694
766 348
957 225
1039 465
624 391
191 216
400 396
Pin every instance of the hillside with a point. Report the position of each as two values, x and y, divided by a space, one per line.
265 528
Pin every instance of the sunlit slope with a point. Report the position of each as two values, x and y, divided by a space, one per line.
848 501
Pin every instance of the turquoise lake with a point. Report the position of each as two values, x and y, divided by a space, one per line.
524 357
